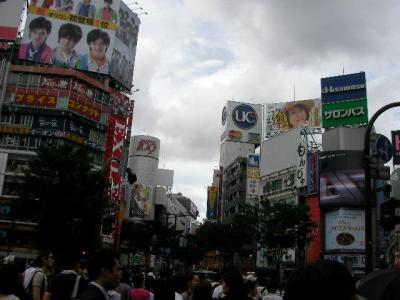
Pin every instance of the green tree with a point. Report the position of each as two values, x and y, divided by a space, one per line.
66 196
283 226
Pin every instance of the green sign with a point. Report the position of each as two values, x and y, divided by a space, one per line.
353 112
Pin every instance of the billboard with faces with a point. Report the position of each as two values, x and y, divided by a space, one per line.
81 34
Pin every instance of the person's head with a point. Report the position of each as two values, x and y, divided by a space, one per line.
71 261
125 276
39 30
9 279
297 113
98 42
202 291
86 2
251 288
193 280
138 281
103 267
68 36
233 285
108 3
272 286
179 282
326 280
45 259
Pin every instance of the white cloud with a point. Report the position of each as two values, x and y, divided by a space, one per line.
194 55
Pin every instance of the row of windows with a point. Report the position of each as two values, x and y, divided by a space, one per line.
33 80
95 136
32 143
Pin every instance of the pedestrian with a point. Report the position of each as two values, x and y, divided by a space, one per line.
251 289
273 293
139 292
262 286
11 287
104 272
233 286
38 284
193 281
328 280
202 291
124 286
69 284
179 282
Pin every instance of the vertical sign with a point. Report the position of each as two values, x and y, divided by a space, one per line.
396 147
253 176
301 173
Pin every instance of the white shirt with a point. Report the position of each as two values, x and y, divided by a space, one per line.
218 293
178 296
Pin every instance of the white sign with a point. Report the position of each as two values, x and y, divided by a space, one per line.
345 229
301 172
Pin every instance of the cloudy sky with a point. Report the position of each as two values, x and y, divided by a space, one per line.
193 56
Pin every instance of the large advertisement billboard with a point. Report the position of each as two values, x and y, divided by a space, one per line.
342 178
253 177
283 116
345 229
242 122
82 35
343 88
10 16
140 199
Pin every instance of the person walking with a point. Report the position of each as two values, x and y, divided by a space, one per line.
139 292
104 272
38 284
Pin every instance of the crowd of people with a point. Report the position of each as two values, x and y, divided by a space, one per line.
101 278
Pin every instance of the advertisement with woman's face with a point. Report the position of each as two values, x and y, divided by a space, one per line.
286 115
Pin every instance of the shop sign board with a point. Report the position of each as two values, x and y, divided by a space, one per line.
344 113
343 88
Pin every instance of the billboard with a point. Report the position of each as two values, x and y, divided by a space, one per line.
212 200
85 36
396 147
242 122
343 88
144 145
345 229
313 173
140 200
10 15
124 51
283 116
301 173
279 182
342 178
280 152
354 112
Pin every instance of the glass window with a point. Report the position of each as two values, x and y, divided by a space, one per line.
14 78
34 80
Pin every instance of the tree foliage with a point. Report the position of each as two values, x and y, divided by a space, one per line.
62 192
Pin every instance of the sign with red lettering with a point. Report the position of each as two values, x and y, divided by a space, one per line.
396 147
84 108
147 146
36 100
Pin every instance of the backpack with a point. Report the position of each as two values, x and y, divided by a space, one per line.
29 290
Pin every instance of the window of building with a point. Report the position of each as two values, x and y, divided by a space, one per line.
14 78
34 80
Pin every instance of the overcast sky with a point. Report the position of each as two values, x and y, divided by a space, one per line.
193 56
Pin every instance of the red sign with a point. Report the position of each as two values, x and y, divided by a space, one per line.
314 247
147 146
115 144
85 109
55 83
36 100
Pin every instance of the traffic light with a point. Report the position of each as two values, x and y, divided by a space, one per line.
390 214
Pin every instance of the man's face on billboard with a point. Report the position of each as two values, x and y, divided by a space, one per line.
38 37
98 48
67 44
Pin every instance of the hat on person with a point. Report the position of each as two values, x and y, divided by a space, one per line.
151 274
308 104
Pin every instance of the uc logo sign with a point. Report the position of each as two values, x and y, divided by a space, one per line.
244 116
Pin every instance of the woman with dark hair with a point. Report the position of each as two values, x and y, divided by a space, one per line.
11 287
193 280
328 280
202 291
233 286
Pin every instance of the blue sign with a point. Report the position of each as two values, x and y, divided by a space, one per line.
384 148
343 88
253 161
244 116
